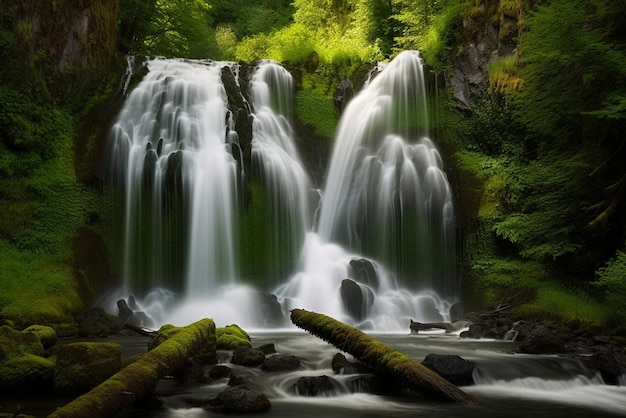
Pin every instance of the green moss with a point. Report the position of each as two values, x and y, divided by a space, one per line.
47 335
82 366
26 374
232 336
140 377
317 109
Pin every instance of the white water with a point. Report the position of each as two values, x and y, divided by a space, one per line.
168 148
386 200
567 389
276 160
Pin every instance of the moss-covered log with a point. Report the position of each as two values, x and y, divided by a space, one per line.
138 379
385 360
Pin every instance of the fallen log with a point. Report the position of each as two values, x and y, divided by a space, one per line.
138 379
383 359
423 326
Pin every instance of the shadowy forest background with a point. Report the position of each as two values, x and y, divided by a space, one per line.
528 104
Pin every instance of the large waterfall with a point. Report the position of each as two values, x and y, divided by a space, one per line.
382 251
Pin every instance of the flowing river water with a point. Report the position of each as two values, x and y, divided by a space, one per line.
505 384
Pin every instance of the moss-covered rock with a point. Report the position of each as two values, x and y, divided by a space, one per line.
47 335
232 336
14 343
23 369
26 374
82 366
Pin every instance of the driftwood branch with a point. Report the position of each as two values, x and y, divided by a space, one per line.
383 359
138 379
416 327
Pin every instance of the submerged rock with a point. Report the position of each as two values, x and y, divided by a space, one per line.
239 399
247 356
454 369
317 386
281 362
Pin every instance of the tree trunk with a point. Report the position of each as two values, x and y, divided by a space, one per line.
138 379
382 358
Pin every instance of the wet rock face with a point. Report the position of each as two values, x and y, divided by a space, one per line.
280 362
453 368
239 399
246 356
542 340
316 386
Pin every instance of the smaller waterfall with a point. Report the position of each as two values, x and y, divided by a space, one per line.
169 157
386 194
275 160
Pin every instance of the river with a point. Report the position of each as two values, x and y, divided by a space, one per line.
506 384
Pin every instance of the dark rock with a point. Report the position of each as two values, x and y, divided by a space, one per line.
267 348
97 323
542 340
238 379
239 399
246 356
219 372
319 386
269 310
281 362
124 312
456 312
474 331
363 271
454 369
607 364
356 299
341 365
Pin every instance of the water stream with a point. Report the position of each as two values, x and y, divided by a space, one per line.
506 384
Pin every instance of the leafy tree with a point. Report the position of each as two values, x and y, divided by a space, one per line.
166 27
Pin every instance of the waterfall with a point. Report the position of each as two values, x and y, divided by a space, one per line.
169 157
386 195
276 162
197 225
384 251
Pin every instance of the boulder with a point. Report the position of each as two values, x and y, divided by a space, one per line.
95 322
219 371
267 348
317 386
542 340
247 356
280 363
341 365
23 369
356 299
363 271
124 311
239 399
84 365
231 336
454 369
47 335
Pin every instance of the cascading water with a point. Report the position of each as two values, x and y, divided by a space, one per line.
386 198
275 160
169 156
384 249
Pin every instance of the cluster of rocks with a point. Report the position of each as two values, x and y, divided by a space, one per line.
589 344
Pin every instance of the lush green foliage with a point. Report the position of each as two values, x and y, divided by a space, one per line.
430 26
